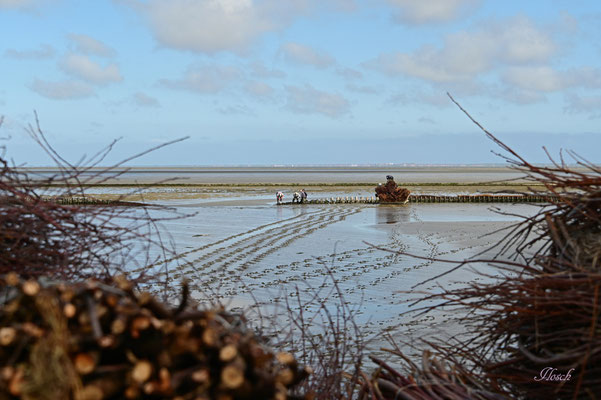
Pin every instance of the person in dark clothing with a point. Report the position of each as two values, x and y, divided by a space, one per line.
303 195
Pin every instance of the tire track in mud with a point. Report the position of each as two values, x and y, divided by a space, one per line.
237 256
431 246
234 248
431 250
360 266
220 241
366 268
271 243
263 236
348 268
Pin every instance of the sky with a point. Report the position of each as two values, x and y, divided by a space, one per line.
263 82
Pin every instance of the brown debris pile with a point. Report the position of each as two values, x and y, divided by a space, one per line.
92 341
391 192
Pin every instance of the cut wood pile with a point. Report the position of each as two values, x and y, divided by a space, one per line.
392 193
91 341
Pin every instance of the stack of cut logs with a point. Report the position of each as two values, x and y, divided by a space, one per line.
92 341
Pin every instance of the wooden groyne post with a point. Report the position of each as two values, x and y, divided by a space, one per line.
428 198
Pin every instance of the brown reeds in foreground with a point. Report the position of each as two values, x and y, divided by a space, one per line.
42 235
535 331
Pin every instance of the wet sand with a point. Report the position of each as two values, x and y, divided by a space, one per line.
246 249
239 248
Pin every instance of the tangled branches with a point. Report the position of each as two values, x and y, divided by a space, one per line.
534 332
318 326
41 236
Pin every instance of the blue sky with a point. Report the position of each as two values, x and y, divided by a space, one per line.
301 81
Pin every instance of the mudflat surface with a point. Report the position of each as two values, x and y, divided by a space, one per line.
242 249
237 247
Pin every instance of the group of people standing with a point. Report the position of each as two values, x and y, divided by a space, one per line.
297 197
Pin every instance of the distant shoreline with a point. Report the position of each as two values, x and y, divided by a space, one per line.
269 177
308 184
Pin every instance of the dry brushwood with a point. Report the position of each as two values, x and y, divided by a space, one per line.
534 330
548 315
392 193
93 341
433 379
320 328
45 235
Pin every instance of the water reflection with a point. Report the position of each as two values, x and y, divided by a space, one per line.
283 212
392 214
300 210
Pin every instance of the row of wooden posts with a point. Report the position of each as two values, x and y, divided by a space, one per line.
84 201
423 198
414 198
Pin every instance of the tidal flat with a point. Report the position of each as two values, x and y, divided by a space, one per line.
236 246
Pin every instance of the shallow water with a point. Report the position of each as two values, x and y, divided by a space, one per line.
304 174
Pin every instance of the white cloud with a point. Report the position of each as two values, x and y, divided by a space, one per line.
211 26
341 5
261 71
236 109
590 105
362 89
207 79
547 79
436 65
64 90
84 68
410 97
522 42
45 51
308 100
464 55
301 54
519 96
25 5
15 3
207 26
88 45
429 11
541 79
143 100
349 73
587 77
259 89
